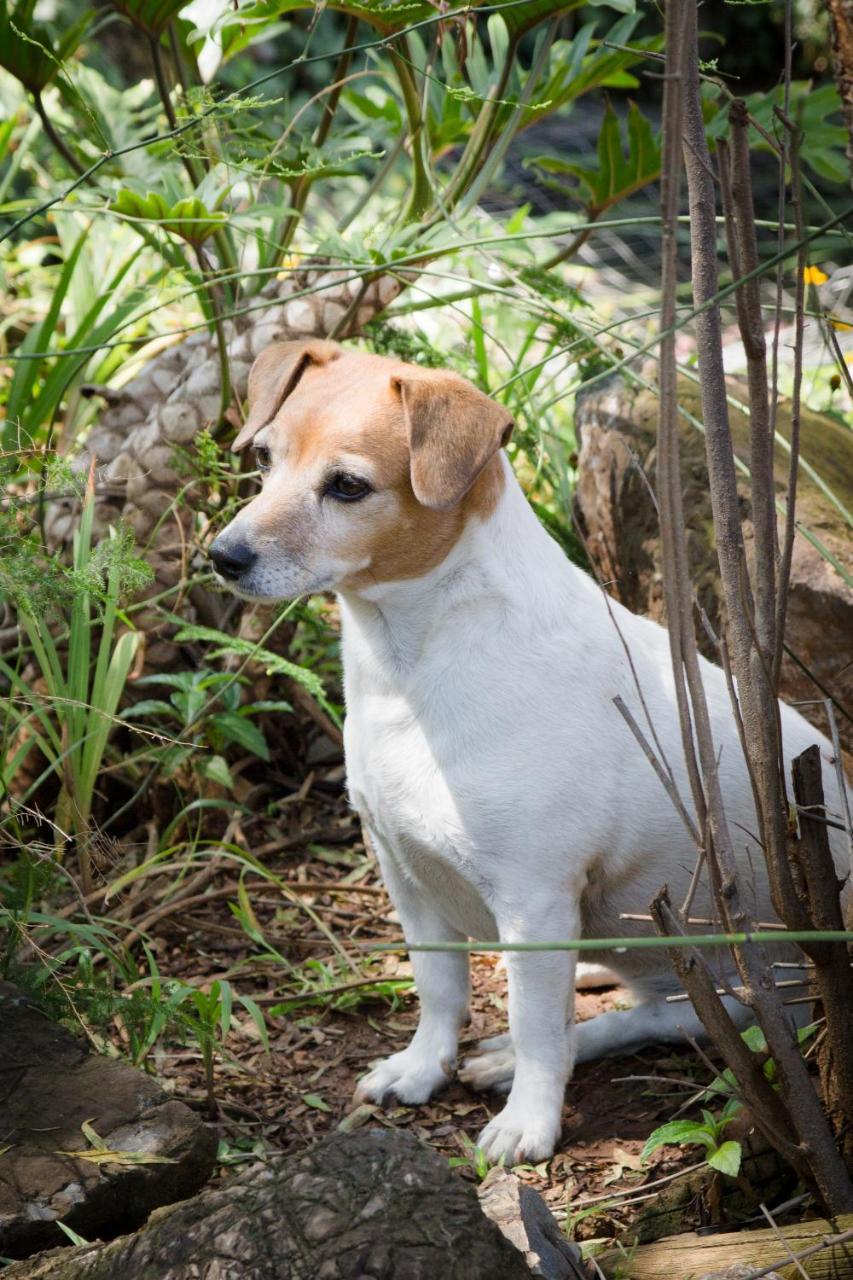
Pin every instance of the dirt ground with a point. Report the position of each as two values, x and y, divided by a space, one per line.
333 1004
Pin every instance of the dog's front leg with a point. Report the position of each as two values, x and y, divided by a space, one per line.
442 981
541 1023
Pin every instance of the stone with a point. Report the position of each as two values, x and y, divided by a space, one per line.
51 1083
376 1203
179 421
527 1222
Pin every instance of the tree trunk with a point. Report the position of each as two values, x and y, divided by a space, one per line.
615 509
841 24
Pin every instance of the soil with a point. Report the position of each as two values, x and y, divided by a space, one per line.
322 930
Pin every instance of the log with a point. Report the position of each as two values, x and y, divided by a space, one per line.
375 1203
693 1257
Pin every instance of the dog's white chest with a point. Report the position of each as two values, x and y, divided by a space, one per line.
399 782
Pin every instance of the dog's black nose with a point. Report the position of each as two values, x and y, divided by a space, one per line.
231 559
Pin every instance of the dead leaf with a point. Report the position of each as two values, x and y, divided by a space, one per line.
622 1160
99 1153
366 1111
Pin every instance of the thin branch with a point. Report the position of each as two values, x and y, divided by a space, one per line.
58 142
665 779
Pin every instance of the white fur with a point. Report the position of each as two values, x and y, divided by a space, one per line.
507 799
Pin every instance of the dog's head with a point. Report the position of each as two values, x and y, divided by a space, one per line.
371 470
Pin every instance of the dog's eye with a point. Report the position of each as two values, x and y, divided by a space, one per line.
346 487
263 457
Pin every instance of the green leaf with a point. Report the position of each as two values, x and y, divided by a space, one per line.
189 218
256 1014
754 1039
39 338
148 707
273 663
33 52
234 728
616 175
727 1158
150 16
675 1134
216 769
314 1100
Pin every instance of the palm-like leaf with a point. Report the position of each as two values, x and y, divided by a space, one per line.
150 16
33 52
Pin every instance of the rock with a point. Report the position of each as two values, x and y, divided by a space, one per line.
51 1084
527 1222
616 423
376 1203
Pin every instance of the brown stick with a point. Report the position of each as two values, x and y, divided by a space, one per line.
740 226
766 1106
832 973
760 710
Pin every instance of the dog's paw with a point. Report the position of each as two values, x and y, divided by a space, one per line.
519 1135
404 1077
491 1065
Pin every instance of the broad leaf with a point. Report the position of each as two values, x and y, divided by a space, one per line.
726 1158
675 1134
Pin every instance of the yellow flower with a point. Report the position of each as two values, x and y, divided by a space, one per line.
840 326
814 275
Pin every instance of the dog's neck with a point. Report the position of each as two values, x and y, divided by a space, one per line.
504 565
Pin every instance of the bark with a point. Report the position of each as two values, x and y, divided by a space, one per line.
750 617
820 887
141 477
371 1203
841 24
614 507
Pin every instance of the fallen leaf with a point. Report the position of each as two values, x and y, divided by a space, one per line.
366 1111
99 1153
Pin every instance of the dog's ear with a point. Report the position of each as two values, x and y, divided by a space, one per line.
453 432
274 375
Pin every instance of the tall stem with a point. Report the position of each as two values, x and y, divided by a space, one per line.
421 198
219 328
57 141
760 709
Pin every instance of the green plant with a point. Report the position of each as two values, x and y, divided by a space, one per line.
206 713
709 1132
208 1015
473 1158
83 676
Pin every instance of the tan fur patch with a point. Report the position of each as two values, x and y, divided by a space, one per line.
349 412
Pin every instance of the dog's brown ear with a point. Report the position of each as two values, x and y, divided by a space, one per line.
453 432
274 375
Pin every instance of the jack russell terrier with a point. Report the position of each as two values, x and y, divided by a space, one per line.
501 788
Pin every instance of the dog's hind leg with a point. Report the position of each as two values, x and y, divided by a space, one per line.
491 1065
651 1021
619 1031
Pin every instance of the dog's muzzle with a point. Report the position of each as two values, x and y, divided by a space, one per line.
231 559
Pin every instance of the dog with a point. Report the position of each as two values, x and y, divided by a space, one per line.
499 785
